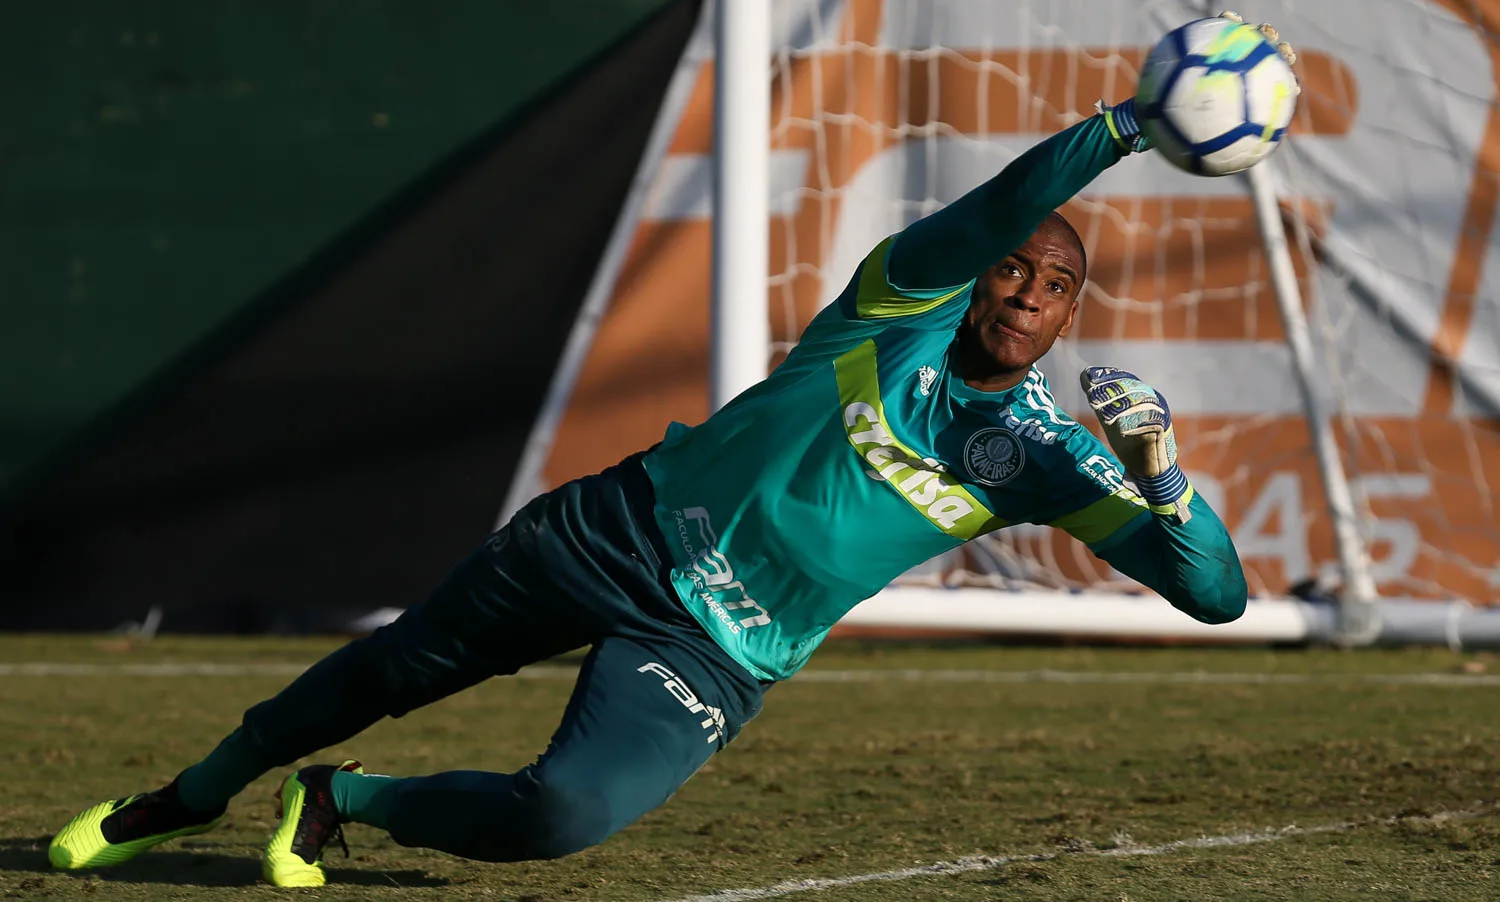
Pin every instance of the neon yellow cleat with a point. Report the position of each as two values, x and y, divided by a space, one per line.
309 820
118 830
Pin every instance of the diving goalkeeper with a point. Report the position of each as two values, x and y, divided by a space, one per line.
909 419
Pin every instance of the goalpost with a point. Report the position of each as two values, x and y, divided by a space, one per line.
1358 621
740 325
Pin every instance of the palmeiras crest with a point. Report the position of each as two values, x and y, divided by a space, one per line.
993 456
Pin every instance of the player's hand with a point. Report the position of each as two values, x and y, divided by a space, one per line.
1138 426
1135 418
1271 34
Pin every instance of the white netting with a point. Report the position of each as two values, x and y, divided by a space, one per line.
884 110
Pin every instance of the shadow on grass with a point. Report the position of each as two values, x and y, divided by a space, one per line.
193 864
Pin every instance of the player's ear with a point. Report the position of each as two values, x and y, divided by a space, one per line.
1068 323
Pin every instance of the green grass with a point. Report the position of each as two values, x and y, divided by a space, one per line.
841 778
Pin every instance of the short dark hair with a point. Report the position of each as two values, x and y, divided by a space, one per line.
1072 233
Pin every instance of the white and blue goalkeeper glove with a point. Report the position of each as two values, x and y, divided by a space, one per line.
1138 425
1121 117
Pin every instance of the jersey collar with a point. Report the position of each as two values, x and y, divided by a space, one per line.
965 393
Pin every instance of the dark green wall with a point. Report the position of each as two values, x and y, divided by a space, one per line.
164 163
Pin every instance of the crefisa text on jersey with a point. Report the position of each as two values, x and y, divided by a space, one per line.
1031 429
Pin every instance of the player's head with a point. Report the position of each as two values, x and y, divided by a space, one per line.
1023 303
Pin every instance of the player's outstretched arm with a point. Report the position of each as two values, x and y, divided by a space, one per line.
960 241
1191 564
957 243
1184 553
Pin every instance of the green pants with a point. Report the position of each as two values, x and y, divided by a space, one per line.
581 566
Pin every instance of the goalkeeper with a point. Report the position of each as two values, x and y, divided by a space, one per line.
908 420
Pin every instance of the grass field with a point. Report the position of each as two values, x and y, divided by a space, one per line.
1010 773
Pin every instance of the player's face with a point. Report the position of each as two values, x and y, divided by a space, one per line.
1023 303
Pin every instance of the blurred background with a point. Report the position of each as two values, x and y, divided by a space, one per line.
284 286
300 300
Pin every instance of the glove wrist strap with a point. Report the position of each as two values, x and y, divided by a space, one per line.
1167 494
1123 126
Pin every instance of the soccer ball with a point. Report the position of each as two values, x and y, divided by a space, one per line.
1215 97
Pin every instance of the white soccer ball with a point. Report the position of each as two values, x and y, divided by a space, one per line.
1215 97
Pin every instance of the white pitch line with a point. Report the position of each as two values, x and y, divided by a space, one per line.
49 669
909 675
1127 676
990 863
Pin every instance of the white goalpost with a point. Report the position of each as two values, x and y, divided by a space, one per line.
740 325
1358 621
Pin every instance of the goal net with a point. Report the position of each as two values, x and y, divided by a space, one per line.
883 110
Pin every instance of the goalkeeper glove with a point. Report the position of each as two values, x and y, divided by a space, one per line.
1138 425
1123 125
1121 118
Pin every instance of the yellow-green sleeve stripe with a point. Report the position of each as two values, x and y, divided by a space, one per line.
877 298
1101 519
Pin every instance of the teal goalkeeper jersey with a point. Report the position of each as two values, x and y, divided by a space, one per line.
864 454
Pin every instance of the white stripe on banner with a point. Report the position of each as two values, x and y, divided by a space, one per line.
684 186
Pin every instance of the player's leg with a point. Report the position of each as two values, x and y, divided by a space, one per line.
491 616
486 619
597 554
643 718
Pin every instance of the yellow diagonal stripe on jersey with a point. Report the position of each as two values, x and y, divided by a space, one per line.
1099 520
934 493
877 298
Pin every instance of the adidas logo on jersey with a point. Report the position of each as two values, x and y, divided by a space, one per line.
925 377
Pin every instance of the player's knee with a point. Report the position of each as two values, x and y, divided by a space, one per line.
563 818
